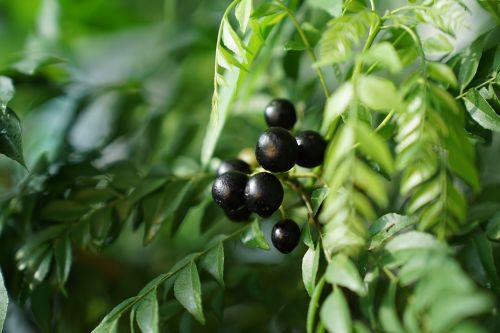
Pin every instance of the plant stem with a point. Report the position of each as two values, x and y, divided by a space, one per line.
386 120
490 80
313 304
307 45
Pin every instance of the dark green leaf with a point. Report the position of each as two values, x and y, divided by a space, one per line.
481 111
493 227
187 290
485 252
213 263
253 237
317 198
63 211
146 313
63 257
110 321
10 135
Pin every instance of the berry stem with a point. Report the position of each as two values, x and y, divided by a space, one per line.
297 187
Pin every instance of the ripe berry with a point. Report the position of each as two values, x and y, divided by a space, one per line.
285 235
276 150
233 164
280 112
263 194
238 215
311 149
228 190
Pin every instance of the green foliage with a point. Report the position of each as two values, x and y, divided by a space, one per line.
400 224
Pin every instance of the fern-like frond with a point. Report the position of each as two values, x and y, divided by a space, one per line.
342 35
430 130
354 187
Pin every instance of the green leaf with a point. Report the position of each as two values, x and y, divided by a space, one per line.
4 302
377 93
442 73
231 39
310 263
63 257
335 314
438 44
384 55
372 145
387 226
6 90
10 135
317 198
63 211
337 104
485 252
187 290
213 263
414 240
253 237
388 314
146 313
481 111
493 227
342 272
242 12
469 62
110 322
333 7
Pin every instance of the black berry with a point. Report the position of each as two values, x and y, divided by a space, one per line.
276 150
233 165
311 149
238 215
285 235
263 194
228 190
280 112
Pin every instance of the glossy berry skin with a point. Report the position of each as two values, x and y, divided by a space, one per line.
263 194
285 235
276 150
233 164
238 215
311 149
228 190
281 113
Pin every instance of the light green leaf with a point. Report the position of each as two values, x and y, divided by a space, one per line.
372 145
335 314
442 73
414 240
187 290
387 226
6 90
253 237
231 39
213 263
10 135
317 198
146 313
310 263
384 55
388 314
342 272
469 62
481 111
377 93
438 44
242 12
337 104
4 302
333 7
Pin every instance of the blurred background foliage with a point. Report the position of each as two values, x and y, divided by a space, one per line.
112 92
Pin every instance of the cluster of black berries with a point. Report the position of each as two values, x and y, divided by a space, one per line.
239 194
